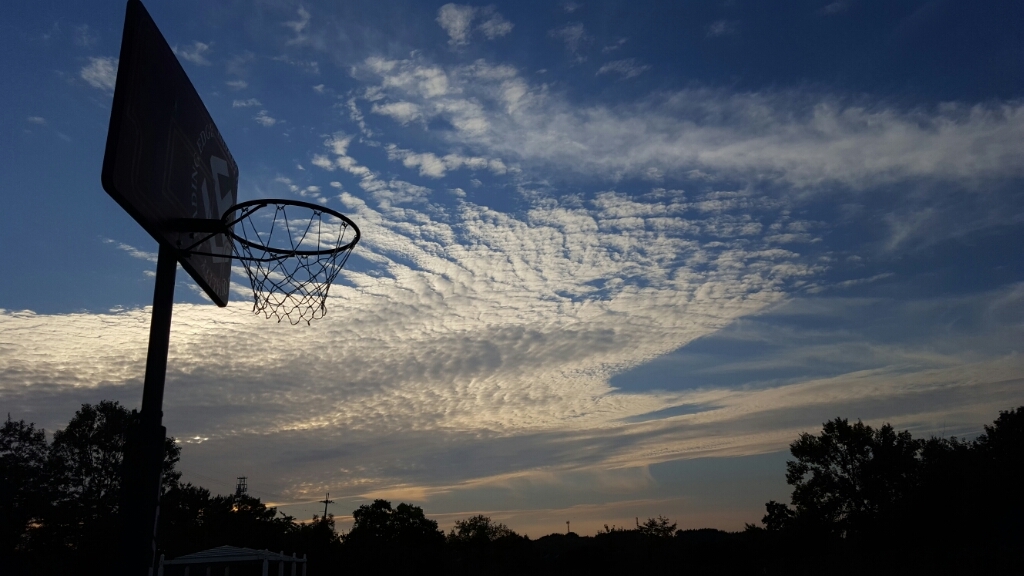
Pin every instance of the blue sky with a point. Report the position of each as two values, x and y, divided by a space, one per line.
615 257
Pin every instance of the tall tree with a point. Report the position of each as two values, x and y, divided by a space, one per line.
1001 463
378 523
849 476
85 470
24 494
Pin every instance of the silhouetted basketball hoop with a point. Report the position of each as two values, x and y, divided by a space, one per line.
167 165
291 250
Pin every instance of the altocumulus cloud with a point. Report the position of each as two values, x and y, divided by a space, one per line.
470 345
499 333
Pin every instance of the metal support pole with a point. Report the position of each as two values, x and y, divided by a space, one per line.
144 448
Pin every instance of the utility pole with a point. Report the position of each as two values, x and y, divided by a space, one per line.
327 500
241 489
567 531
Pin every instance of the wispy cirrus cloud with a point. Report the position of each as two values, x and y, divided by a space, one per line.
131 250
85 36
626 68
574 37
299 27
801 139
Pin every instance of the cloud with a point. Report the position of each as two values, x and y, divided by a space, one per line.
322 161
101 72
245 103
299 27
800 139
472 348
613 47
434 166
574 36
495 27
403 112
571 7
85 37
721 28
36 120
834 7
237 84
308 66
196 53
473 372
477 349
263 118
132 251
457 22
627 68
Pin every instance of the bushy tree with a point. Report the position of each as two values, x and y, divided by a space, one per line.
378 523
657 527
63 508
1003 441
24 485
85 473
184 511
896 497
850 475
478 529
779 516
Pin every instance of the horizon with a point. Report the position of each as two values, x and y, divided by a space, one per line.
614 259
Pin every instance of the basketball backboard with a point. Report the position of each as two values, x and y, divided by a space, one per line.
165 159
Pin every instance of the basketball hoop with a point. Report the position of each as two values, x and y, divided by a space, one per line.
291 250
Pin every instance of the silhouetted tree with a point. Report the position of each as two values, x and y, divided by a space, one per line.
377 523
400 539
478 529
319 540
850 475
85 464
24 494
192 519
184 510
778 517
657 527
884 497
978 484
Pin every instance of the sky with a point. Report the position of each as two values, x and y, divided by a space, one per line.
615 256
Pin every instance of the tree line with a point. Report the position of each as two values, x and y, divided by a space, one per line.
881 497
862 499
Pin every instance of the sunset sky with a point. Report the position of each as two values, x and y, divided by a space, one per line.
616 256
